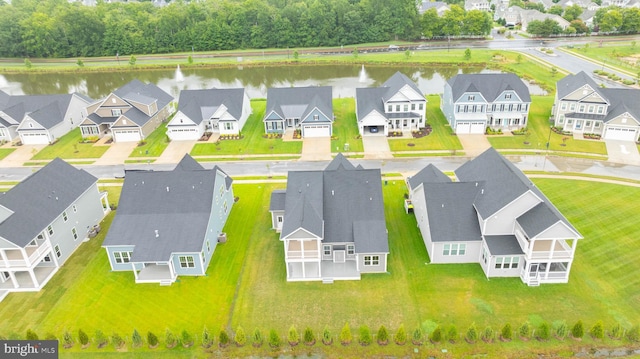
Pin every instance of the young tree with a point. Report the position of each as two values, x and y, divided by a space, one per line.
308 337
436 335
467 54
506 333
274 339
117 341
67 339
560 330
633 335
327 338
293 337
240 337
345 335
452 334
136 339
169 339
28 63
554 71
524 331
83 338
616 331
519 58
190 60
577 331
223 339
401 335
207 341
132 60
416 337
472 334
31 335
487 335
296 55
256 338
365 335
80 63
597 331
101 339
383 335
152 339
544 332
186 338
355 52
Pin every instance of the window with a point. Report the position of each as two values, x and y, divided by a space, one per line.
581 108
406 108
591 109
221 190
563 106
116 112
600 109
572 107
507 262
57 250
47 258
397 108
279 219
371 260
413 107
561 119
389 108
472 97
3 132
75 208
74 233
421 106
326 250
456 249
228 126
316 117
570 121
597 124
351 249
50 230
224 205
122 257
64 216
187 262
208 246
485 255
588 124
507 96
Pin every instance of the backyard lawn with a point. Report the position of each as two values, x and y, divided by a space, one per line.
441 137
252 141
155 143
345 127
246 286
539 128
69 147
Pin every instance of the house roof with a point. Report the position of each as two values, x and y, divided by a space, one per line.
164 212
47 110
572 82
503 245
137 91
278 198
450 210
374 98
426 5
537 220
296 102
428 174
490 86
337 204
38 200
199 105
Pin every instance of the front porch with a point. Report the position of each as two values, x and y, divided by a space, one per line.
155 273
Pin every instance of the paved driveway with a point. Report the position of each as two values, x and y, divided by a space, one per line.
376 147
625 152
117 153
21 155
474 145
175 151
316 149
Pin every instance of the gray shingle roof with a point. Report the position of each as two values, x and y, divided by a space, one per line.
47 110
177 204
572 82
450 210
428 174
373 98
503 245
489 85
278 198
144 93
277 98
537 219
192 102
40 199
398 81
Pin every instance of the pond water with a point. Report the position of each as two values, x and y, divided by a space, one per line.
255 79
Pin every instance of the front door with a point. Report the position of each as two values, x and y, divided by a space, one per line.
533 270
578 124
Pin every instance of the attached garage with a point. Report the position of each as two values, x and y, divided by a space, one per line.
470 127
316 131
621 133
126 136
34 138
183 134
375 130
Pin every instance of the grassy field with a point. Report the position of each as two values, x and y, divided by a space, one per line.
624 56
439 139
252 142
539 128
246 286
155 143
345 127
68 147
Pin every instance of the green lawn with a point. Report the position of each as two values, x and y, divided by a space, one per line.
539 128
252 142
624 56
155 143
345 127
4 152
441 137
68 146
250 267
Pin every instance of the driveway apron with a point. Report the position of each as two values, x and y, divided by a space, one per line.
625 152
316 149
376 147
474 145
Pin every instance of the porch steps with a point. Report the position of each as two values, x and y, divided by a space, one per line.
165 282
327 280
534 283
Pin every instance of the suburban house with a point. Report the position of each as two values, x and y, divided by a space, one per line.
168 223
621 3
331 223
473 102
397 105
308 109
495 216
223 111
128 114
440 7
482 5
43 220
581 106
40 119
515 15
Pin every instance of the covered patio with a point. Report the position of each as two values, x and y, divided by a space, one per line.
155 273
22 281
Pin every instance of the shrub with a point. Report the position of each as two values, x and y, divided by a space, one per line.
560 330
506 332
365 335
524 331
83 338
487 335
80 63
597 331
274 339
577 331
50 336
401 335
117 341
327 338
187 339
633 335
345 335
132 60
190 59
544 332
472 334
416 337
293 337
240 338
207 341
152 339
256 338
383 335
452 333
616 331
101 339
223 339
169 339
136 339
31 335
28 63
436 335
67 339
309 338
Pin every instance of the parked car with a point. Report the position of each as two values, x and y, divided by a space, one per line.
394 47
373 130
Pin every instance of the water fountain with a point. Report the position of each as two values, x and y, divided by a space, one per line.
363 75
179 76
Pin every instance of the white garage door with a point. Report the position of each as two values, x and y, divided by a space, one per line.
621 133
470 127
316 131
177 134
126 135
34 138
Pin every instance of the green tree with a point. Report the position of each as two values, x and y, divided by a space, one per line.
555 9
136 339
519 58
452 21
274 339
524 331
577 331
487 335
256 338
293 337
633 335
560 329
31 335
431 23
544 331
223 338
117 341
240 337
190 60
101 339
472 334
345 335
207 341
169 339
554 71
616 332
544 28
452 333
132 60
436 335
27 63
186 338
580 26
83 338
296 55
308 337
416 337
152 339
365 335
630 21
401 335
67 339
572 12
327 338
597 331
506 333
476 22
80 63
355 52
467 54
609 20
383 335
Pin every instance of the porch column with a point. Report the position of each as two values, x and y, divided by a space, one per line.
286 266
25 256
303 272
54 258
301 249
546 271
286 247
573 247
33 278
3 256
135 271
14 281
172 270
553 248
568 270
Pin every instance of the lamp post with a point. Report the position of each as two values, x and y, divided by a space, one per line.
548 143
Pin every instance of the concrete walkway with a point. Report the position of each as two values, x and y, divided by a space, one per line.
175 151
474 145
117 153
376 147
316 149
625 152
21 155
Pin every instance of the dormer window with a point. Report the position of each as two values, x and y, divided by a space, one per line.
507 96
472 97
390 108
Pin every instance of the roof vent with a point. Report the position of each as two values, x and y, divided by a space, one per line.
443 205
167 189
142 182
476 184
482 191
56 198
157 234
307 185
333 193
370 198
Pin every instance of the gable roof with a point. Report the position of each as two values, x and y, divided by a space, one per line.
47 110
396 82
490 86
297 102
428 174
450 210
137 91
572 82
199 105
374 98
164 212
38 200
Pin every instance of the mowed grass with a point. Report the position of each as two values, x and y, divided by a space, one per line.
345 127
69 146
603 286
539 127
621 56
155 144
252 142
4 152
440 138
